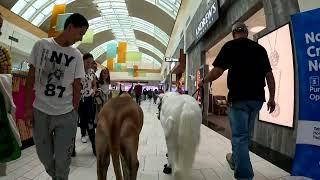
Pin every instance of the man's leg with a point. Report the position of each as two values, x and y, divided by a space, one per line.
239 116
64 137
83 120
43 139
90 115
255 108
137 99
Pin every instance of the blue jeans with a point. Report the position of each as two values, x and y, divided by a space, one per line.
242 115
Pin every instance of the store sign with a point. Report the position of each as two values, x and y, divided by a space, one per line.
211 16
306 33
170 59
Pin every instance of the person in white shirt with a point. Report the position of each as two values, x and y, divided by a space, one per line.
56 70
87 106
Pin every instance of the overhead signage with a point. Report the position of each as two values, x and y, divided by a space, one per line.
306 33
211 16
170 59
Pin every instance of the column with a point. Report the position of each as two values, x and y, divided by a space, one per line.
278 11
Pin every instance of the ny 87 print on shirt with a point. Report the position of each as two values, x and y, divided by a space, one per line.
52 71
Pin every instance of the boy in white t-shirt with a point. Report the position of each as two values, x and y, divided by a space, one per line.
56 70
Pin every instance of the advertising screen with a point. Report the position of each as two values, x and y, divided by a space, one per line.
279 47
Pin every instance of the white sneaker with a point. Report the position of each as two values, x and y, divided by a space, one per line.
84 139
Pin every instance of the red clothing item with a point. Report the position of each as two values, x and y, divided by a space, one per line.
138 89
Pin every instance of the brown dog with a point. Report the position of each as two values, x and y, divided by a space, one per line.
118 128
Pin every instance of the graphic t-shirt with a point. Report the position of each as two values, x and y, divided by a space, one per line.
56 68
86 83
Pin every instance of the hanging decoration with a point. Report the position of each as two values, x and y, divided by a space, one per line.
61 19
88 37
130 71
135 71
133 56
110 64
111 50
117 67
57 9
122 50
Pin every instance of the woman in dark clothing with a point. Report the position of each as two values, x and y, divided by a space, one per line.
150 94
155 96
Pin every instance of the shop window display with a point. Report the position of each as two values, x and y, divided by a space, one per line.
279 48
18 93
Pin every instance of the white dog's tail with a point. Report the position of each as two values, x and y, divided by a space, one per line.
188 138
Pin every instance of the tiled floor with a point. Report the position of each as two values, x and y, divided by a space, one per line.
210 161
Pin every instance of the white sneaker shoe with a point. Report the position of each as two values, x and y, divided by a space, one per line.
84 139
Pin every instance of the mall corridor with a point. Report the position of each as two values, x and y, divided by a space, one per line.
210 161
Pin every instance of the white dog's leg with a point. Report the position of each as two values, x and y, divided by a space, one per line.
171 140
171 151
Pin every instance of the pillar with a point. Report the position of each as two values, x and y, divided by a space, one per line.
278 12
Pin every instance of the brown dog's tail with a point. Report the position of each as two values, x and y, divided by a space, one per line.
115 152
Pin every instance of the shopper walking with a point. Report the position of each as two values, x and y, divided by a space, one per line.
155 96
150 92
56 70
145 93
86 106
249 67
138 92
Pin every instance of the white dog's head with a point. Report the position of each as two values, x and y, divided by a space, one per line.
162 98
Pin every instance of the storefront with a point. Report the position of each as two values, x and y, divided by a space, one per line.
178 72
176 69
205 36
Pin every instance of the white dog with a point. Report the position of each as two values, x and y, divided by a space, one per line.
180 118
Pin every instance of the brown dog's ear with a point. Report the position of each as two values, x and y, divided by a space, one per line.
125 94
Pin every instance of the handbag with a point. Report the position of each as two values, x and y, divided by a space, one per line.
9 147
98 100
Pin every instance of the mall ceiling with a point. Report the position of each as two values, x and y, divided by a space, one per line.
146 25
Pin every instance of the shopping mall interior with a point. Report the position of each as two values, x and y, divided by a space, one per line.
170 46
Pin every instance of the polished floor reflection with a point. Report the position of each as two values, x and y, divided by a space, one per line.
210 159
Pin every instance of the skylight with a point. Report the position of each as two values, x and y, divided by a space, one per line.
36 11
171 7
100 24
114 17
151 48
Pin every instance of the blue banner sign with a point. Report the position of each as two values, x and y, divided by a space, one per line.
306 37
